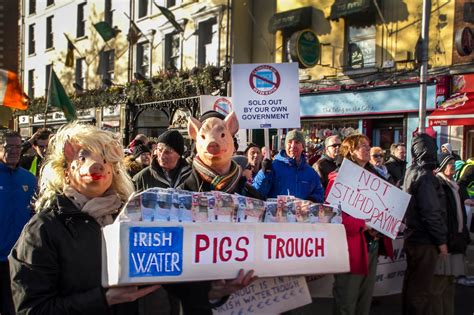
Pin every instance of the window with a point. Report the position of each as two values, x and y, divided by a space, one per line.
143 58
108 14
207 42
81 21
80 72
49 32
142 8
107 64
170 3
173 50
31 84
31 39
360 44
47 74
49 2
32 7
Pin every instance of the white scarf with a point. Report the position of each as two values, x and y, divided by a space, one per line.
455 189
100 208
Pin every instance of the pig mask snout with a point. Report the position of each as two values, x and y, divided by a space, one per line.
95 168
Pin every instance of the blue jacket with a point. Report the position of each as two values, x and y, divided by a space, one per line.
287 178
17 187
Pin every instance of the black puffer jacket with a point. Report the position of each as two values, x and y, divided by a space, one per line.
154 176
424 216
55 268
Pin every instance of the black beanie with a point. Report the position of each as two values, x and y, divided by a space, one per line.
443 161
139 150
173 139
210 114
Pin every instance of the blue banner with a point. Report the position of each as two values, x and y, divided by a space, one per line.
155 251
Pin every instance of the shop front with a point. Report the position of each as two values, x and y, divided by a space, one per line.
386 115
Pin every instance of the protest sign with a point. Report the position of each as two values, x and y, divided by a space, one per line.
266 95
267 296
366 196
388 279
160 252
223 105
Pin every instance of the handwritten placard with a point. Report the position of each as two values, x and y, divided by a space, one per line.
366 196
268 296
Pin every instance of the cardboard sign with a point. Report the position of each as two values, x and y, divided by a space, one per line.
268 296
366 196
388 279
266 95
160 252
223 105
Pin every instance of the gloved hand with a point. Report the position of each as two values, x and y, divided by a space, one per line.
267 165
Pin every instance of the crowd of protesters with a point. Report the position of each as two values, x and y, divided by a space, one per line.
46 279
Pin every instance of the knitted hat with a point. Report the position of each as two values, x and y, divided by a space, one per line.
139 150
444 160
295 135
210 114
448 147
173 139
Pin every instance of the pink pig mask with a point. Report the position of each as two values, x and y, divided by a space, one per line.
87 172
214 141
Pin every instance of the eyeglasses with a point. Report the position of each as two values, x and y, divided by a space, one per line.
377 156
335 145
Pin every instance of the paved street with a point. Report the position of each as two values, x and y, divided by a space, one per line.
391 305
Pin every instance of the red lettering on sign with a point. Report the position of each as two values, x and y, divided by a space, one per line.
279 249
319 247
307 247
242 249
221 249
269 238
308 251
200 248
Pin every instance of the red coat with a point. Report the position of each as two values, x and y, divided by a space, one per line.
356 242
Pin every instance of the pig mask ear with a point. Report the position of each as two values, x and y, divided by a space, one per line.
231 123
193 127
69 151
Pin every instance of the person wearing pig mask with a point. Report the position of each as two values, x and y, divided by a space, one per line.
213 167
56 263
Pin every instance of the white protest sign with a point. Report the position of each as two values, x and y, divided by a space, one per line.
223 105
268 296
266 95
160 252
388 279
366 196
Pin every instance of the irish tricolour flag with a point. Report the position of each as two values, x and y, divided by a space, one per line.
11 93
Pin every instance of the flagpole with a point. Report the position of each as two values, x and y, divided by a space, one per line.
130 19
74 46
47 95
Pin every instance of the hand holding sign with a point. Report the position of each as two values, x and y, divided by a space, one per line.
221 288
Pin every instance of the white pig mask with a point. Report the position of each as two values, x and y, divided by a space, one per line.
215 141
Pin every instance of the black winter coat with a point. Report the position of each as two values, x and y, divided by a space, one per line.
153 176
397 169
324 166
424 217
55 268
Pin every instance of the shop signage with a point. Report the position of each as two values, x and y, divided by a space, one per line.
111 111
375 101
356 58
24 120
464 41
55 117
266 95
366 196
345 8
304 47
293 19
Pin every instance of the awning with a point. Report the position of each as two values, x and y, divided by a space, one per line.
458 110
342 8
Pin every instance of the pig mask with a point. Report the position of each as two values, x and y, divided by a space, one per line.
87 172
214 141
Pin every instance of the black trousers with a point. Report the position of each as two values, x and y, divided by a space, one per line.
6 302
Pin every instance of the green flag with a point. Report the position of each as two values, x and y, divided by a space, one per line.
170 17
105 30
58 98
